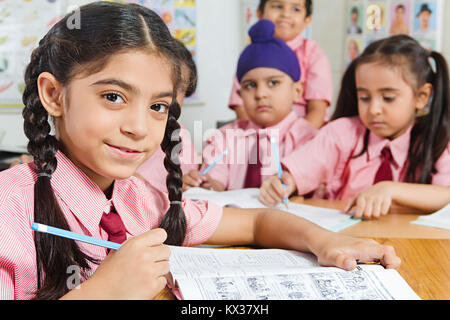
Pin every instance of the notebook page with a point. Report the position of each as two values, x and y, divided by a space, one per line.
439 219
367 283
200 262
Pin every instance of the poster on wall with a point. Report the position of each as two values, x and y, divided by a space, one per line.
250 17
370 20
24 23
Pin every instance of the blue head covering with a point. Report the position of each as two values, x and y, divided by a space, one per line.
266 51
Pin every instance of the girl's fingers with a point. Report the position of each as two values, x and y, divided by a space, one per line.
376 211
360 207
385 206
368 210
349 205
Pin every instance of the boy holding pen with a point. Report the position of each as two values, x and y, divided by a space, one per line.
268 71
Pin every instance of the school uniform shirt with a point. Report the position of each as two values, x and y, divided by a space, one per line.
316 76
140 206
239 138
153 169
328 160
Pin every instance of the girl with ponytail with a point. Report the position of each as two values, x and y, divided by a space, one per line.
389 138
110 89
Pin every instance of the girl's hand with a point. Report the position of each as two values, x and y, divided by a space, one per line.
272 191
211 184
192 179
372 203
136 271
345 252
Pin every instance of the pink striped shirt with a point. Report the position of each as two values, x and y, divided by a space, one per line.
316 76
239 138
140 206
327 159
153 169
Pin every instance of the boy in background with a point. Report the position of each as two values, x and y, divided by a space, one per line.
291 18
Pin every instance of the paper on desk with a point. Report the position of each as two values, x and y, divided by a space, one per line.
273 274
439 219
331 219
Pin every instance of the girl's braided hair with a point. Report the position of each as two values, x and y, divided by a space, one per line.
105 29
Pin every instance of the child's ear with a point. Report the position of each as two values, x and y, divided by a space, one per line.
50 94
259 14
424 95
298 90
308 21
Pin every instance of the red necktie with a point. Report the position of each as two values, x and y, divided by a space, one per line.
253 176
384 172
113 225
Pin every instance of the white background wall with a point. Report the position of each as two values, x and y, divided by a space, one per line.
219 43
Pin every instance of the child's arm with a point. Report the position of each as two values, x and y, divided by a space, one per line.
316 111
376 201
277 229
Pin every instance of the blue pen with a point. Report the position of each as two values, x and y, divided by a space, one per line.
74 236
214 163
277 160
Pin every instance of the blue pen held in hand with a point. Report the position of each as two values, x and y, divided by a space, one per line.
277 161
216 161
74 236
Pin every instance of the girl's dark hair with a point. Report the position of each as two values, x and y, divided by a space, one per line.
431 133
66 50
187 60
308 6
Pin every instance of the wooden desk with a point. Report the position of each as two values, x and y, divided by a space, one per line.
425 251
397 224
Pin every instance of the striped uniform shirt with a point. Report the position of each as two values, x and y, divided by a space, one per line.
140 206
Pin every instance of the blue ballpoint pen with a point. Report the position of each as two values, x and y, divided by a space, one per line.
74 236
214 163
277 161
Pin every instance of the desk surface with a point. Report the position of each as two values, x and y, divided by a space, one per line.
425 251
397 224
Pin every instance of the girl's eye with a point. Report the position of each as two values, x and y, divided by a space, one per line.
273 83
113 97
364 99
160 108
388 99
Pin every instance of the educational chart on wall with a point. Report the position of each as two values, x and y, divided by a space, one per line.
250 17
22 25
370 20
24 22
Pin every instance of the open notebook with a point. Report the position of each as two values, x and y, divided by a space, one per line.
330 219
439 219
274 274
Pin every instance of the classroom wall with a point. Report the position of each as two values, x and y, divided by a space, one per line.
219 43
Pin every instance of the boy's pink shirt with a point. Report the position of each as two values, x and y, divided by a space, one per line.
153 169
316 76
140 206
327 160
239 138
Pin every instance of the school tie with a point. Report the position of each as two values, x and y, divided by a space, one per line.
113 225
384 172
253 176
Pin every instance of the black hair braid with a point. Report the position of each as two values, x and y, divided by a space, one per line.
174 221
43 147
